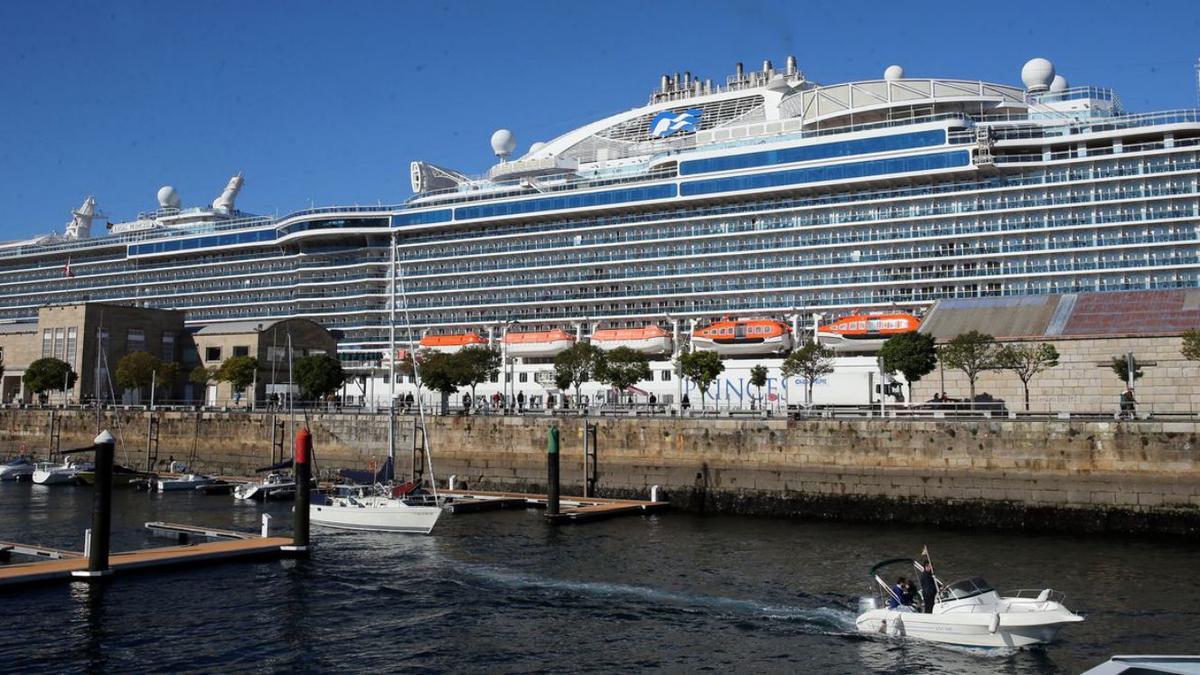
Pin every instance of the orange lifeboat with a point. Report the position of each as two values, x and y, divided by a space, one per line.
448 344
648 340
743 336
538 343
870 326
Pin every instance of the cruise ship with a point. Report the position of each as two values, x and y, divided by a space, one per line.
769 202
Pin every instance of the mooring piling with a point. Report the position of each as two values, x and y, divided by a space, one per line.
99 538
552 472
302 467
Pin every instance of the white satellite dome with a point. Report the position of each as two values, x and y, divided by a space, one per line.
503 143
536 146
1059 84
1037 74
893 72
168 197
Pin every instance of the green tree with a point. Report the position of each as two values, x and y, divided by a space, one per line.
973 353
48 374
239 372
577 365
624 367
1191 345
911 354
702 367
478 364
758 379
441 372
809 362
141 369
1026 361
1121 368
319 375
202 376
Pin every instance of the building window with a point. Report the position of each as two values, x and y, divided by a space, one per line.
276 354
60 338
168 347
135 340
72 345
494 377
241 351
190 355
212 353
523 377
666 376
47 343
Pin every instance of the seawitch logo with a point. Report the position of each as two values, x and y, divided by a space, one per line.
669 123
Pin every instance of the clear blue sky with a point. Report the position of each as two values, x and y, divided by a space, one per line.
329 101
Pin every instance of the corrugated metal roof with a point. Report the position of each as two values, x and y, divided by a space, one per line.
236 327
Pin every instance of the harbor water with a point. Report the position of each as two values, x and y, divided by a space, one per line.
506 592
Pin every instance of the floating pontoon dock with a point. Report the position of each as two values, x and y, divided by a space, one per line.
574 509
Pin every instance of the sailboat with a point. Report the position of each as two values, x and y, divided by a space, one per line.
18 468
380 508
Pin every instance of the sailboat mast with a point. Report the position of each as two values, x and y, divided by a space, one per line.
391 435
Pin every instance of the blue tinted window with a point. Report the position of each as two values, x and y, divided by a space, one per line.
426 218
860 146
202 242
333 224
823 173
565 202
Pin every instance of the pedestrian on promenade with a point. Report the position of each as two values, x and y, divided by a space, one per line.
653 402
685 403
466 399
520 401
1128 403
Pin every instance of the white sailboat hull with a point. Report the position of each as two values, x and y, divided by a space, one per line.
375 515
16 472
55 476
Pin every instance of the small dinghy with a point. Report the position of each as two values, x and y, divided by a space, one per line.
968 613
19 468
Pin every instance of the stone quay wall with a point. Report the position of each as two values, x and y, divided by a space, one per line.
1051 475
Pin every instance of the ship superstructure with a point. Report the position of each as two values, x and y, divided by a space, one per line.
769 196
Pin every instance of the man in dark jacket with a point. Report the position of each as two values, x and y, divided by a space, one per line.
928 587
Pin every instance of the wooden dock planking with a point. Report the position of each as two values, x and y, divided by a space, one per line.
38 551
151 558
574 509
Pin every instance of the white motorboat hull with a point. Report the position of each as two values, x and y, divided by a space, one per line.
375 515
969 629
188 482
652 345
54 476
16 472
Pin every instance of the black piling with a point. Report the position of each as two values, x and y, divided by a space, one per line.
552 472
99 545
302 467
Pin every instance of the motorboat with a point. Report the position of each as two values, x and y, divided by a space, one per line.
275 485
968 613
122 476
373 508
733 337
19 468
647 340
1145 664
59 473
538 343
454 342
187 481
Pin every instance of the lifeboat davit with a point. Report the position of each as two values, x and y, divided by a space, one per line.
648 340
448 344
743 336
537 344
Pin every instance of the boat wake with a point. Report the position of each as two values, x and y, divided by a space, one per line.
818 620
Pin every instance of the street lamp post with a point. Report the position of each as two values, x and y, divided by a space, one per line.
508 361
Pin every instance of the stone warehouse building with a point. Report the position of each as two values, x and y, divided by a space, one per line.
93 337
1088 330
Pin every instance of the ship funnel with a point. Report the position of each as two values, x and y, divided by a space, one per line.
791 65
80 226
740 70
687 79
225 203
766 65
666 83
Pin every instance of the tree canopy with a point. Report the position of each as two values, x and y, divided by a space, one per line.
319 375
911 354
702 367
809 362
972 353
238 371
624 367
577 365
1026 361
48 374
477 365
1120 367
1191 345
140 369
441 372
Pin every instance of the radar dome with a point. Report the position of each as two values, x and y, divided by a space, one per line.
1059 84
1037 74
893 72
168 198
503 143
536 146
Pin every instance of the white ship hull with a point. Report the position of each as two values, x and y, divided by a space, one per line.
375 514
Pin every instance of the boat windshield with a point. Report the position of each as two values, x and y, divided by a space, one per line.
966 588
